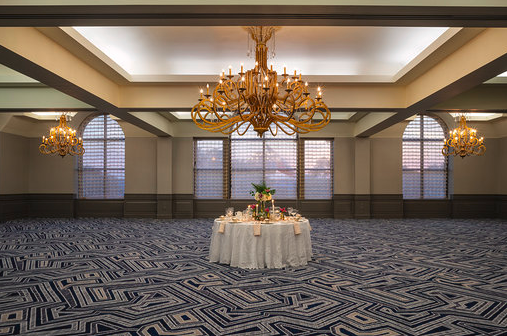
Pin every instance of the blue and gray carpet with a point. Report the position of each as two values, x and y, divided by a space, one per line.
152 277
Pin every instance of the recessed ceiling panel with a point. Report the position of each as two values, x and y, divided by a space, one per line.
478 116
376 52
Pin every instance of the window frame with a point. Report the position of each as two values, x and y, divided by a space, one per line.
302 168
421 140
225 164
300 165
80 160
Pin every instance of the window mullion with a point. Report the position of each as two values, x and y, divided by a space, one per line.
105 158
301 168
421 161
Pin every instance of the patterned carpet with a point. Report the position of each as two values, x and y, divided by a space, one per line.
152 277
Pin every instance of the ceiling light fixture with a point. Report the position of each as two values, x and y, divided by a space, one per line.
463 141
62 140
257 98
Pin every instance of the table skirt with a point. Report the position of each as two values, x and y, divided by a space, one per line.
276 247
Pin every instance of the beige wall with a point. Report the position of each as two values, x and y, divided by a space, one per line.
141 165
49 173
386 166
344 158
183 166
165 165
480 174
23 169
471 175
362 165
14 164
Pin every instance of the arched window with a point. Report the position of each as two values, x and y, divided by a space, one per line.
101 170
424 166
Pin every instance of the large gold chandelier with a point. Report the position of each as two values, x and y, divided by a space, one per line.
259 98
463 141
62 140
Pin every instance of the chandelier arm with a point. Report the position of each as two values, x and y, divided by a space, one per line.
276 129
209 110
289 109
294 128
326 117
246 129
222 126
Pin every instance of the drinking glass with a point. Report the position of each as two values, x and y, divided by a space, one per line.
229 212
276 214
289 212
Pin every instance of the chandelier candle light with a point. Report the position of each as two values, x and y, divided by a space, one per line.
62 140
463 141
259 98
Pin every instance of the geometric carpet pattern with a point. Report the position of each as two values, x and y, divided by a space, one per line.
153 277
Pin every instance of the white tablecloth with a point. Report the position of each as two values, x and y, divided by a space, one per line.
276 247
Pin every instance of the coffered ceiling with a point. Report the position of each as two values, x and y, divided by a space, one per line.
145 61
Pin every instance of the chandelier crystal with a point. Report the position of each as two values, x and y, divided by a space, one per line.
463 141
62 140
260 98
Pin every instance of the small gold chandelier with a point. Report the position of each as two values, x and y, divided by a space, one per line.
62 140
463 141
257 98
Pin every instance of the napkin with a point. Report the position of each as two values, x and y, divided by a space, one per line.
297 228
257 229
221 229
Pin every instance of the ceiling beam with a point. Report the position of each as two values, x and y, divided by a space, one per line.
485 97
33 54
38 98
371 120
68 38
161 127
28 51
338 97
480 59
240 15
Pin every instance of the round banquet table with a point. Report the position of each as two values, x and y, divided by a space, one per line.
277 246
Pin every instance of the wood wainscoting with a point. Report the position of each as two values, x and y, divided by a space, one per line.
14 206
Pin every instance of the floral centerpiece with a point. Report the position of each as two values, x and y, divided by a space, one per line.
262 194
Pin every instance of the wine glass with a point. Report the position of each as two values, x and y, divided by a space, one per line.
276 213
229 212
289 212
